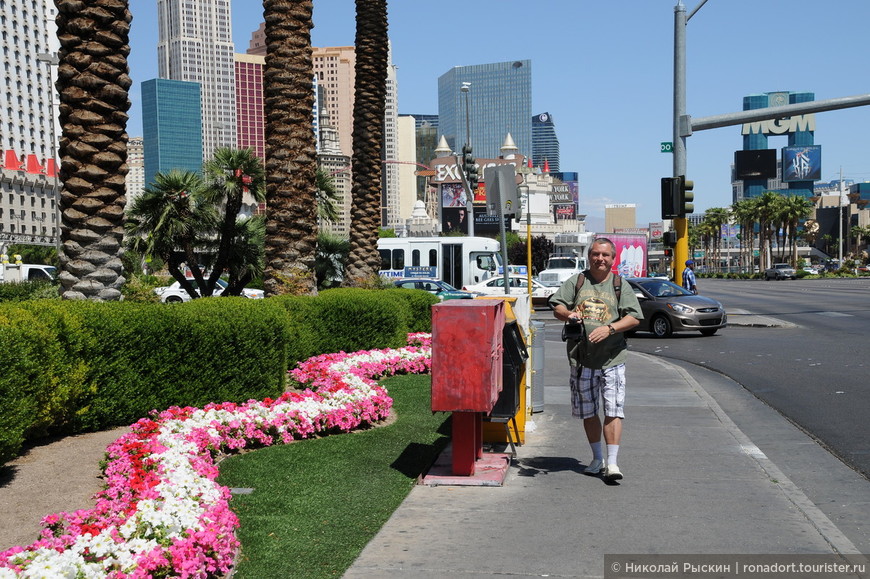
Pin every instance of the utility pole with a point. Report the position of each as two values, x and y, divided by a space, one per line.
681 224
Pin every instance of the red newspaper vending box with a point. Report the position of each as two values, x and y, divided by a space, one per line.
467 371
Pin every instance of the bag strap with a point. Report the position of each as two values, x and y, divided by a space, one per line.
617 287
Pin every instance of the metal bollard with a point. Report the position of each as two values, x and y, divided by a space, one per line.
538 355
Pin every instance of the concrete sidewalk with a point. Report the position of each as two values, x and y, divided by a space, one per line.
697 481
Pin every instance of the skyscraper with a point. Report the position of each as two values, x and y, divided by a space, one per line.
250 114
545 143
195 44
29 131
499 102
171 126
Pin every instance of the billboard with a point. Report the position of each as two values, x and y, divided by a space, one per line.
453 195
631 254
801 163
454 220
564 211
757 164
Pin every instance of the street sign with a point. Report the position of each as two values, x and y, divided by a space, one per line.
667 147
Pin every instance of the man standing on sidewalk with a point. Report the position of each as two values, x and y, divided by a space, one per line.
689 277
598 362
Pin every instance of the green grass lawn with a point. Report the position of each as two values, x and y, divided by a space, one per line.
316 503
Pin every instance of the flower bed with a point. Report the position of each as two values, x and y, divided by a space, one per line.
162 513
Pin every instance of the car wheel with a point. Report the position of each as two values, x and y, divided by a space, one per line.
173 300
709 331
661 327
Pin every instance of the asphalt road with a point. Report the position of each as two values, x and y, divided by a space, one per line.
813 370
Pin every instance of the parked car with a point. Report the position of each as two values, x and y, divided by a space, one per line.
176 293
669 308
442 289
517 284
780 271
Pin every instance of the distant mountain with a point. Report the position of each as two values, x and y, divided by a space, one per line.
594 223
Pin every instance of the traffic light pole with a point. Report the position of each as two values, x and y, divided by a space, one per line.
684 125
681 224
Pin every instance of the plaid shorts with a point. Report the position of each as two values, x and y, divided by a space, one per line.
588 385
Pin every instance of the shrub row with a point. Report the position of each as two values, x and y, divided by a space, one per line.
78 366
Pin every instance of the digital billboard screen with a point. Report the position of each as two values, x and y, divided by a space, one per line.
801 163
757 164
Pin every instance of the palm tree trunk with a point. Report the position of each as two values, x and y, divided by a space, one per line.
291 156
368 135
93 81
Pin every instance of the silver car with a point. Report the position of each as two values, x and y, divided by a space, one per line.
669 308
780 271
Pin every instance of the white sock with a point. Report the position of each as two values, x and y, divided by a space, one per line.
612 451
596 450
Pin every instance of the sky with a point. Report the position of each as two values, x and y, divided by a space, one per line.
604 72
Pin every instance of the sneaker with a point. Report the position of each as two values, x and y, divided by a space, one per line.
595 467
612 472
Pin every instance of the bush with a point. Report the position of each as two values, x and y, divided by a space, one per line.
26 382
20 291
76 366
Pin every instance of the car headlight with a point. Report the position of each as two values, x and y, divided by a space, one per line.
680 308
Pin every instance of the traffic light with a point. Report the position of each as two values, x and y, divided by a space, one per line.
469 166
669 252
670 197
686 196
677 197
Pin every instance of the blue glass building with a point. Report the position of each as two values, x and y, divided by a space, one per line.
171 126
755 137
500 102
545 143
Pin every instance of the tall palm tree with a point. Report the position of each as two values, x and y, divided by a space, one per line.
768 210
291 155
368 134
795 209
229 175
744 213
716 217
93 81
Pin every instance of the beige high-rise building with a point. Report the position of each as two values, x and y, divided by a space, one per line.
135 180
620 216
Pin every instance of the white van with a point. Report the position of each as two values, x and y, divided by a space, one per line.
12 272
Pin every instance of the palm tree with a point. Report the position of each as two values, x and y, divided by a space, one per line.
716 217
245 260
796 208
93 81
291 156
229 175
331 254
368 132
744 213
327 196
173 220
768 210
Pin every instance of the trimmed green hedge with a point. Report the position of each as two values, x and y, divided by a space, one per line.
76 366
